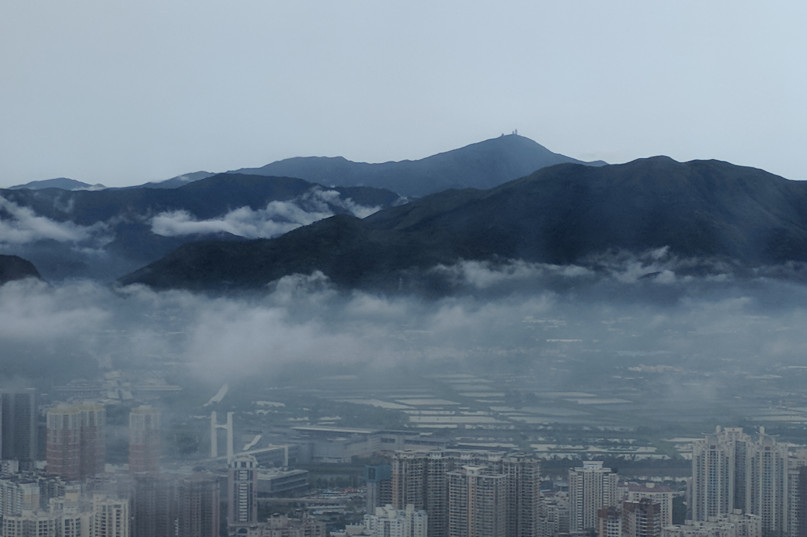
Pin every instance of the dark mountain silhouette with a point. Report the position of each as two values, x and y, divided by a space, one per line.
62 183
178 181
113 227
564 214
16 268
481 165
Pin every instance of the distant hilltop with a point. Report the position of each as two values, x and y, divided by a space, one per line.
62 183
481 165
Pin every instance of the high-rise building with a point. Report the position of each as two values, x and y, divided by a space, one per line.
93 439
63 445
31 524
591 488
718 473
421 479
111 516
731 472
75 440
144 440
554 518
767 488
658 494
477 502
609 522
18 495
797 485
19 425
641 519
379 486
198 506
154 505
243 491
523 494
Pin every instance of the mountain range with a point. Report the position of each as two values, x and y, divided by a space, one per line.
563 214
244 230
481 165
63 183
71 229
102 234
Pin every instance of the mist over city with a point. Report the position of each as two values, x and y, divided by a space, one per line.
435 269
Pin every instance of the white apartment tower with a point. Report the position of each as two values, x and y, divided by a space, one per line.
767 488
731 472
718 473
591 488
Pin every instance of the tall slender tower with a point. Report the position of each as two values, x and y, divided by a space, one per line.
243 491
767 486
523 495
144 440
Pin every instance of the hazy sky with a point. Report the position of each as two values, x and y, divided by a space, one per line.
123 92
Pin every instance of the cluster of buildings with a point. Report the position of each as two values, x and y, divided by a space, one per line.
60 486
741 486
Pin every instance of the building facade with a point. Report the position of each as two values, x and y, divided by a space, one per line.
591 488
242 491
19 414
477 502
144 440
76 442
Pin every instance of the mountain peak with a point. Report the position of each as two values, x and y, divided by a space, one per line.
480 165
62 183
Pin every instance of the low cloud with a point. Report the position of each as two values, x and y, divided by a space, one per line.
21 225
707 341
277 218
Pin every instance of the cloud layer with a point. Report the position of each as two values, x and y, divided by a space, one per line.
501 318
276 218
21 225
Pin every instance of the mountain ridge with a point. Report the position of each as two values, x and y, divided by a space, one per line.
563 214
482 165
106 233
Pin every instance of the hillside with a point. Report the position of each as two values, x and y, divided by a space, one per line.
564 214
105 233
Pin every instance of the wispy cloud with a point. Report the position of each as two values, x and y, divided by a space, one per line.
276 218
20 225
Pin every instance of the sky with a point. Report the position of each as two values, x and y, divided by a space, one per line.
120 93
